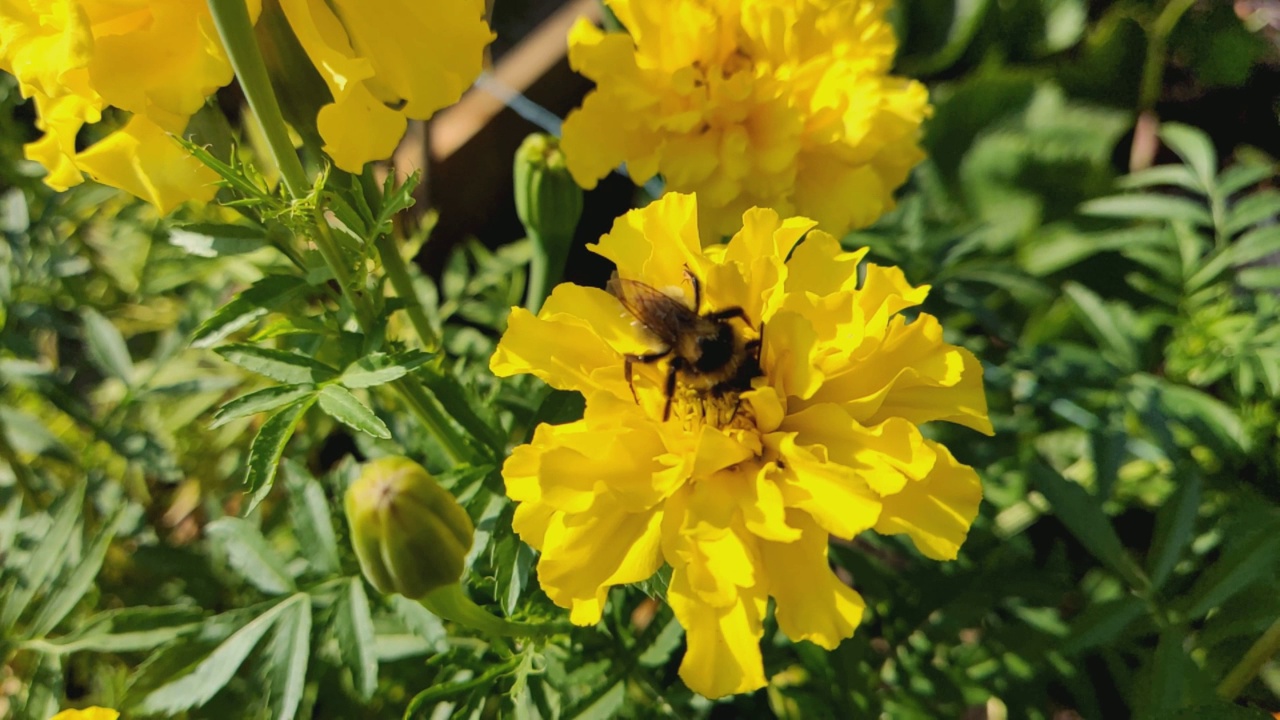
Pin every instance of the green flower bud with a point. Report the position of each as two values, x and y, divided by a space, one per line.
548 201
549 204
410 534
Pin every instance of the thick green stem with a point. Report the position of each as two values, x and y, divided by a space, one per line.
1157 43
546 267
451 603
1251 664
398 273
236 30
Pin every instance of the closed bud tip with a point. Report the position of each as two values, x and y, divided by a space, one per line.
410 535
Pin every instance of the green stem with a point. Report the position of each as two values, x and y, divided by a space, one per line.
443 691
438 424
398 273
451 603
236 30
1251 664
546 267
1157 42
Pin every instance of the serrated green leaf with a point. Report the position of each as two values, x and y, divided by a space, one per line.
353 628
268 446
339 404
380 368
128 629
1206 414
67 590
1176 175
288 655
208 240
420 621
1145 206
269 293
1082 515
1175 525
47 558
250 555
1260 278
279 365
512 561
1242 175
311 518
1195 148
1102 322
105 345
1256 208
205 679
259 401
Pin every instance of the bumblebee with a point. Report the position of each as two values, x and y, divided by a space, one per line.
705 349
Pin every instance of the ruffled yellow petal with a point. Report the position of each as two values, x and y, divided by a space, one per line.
575 343
43 43
724 641
89 713
885 456
61 119
656 243
812 603
359 129
935 512
835 495
143 160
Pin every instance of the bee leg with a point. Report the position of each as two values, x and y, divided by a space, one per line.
697 288
646 359
729 313
670 389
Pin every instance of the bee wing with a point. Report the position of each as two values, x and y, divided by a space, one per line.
661 314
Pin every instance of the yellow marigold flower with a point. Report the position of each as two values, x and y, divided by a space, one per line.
89 713
772 103
157 60
740 488
385 62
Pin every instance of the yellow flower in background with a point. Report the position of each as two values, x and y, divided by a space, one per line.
89 713
156 59
772 103
385 63
739 489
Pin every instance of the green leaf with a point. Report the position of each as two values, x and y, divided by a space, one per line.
420 621
202 682
288 655
380 368
1248 560
260 401
280 365
341 405
250 555
129 629
1259 207
66 591
1102 624
268 446
1175 678
211 240
1260 278
1082 515
1196 150
1175 526
1103 323
259 299
1144 206
1220 711
1208 416
1176 175
105 345
1242 175
512 561
312 523
47 558
353 628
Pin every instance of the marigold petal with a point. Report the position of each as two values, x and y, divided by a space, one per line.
724 642
143 160
325 42
788 355
577 569
563 349
656 243
358 129
835 495
935 512
885 456
820 266
812 603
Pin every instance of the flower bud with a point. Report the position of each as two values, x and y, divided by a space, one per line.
548 201
410 534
